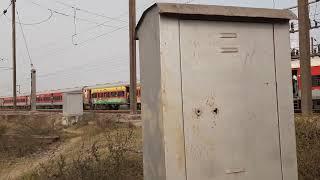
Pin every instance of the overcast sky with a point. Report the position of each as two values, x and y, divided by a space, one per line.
102 53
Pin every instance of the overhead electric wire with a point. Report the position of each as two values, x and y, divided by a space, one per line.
68 15
99 36
25 40
117 18
96 14
5 10
36 23
87 65
310 2
123 14
105 34
92 13
120 69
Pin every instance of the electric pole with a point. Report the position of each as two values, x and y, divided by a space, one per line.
33 97
304 47
14 75
132 51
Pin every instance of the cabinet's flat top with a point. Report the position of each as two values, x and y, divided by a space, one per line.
221 13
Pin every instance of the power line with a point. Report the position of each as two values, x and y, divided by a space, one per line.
87 65
90 12
121 15
70 16
99 36
81 19
95 69
25 41
36 23
5 10
311 2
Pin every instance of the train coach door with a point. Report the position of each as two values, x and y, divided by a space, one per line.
229 101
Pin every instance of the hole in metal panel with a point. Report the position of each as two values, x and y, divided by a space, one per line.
215 111
198 112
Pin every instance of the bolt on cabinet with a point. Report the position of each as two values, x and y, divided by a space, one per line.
217 95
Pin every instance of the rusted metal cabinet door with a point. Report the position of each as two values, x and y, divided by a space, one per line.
229 101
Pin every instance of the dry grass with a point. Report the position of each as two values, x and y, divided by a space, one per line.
22 137
308 147
106 151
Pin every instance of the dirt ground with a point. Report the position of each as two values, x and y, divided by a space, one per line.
70 143
18 167
82 139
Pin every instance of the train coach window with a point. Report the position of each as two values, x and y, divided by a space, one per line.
113 94
315 80
57 98
121 94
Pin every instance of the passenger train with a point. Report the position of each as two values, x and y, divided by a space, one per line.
296 82
99 97
116 96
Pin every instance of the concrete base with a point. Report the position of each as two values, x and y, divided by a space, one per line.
71 120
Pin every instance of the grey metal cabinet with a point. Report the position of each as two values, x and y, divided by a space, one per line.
216 99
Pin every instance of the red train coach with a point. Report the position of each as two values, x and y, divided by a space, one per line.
54 99
296 81
23 102
50 100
